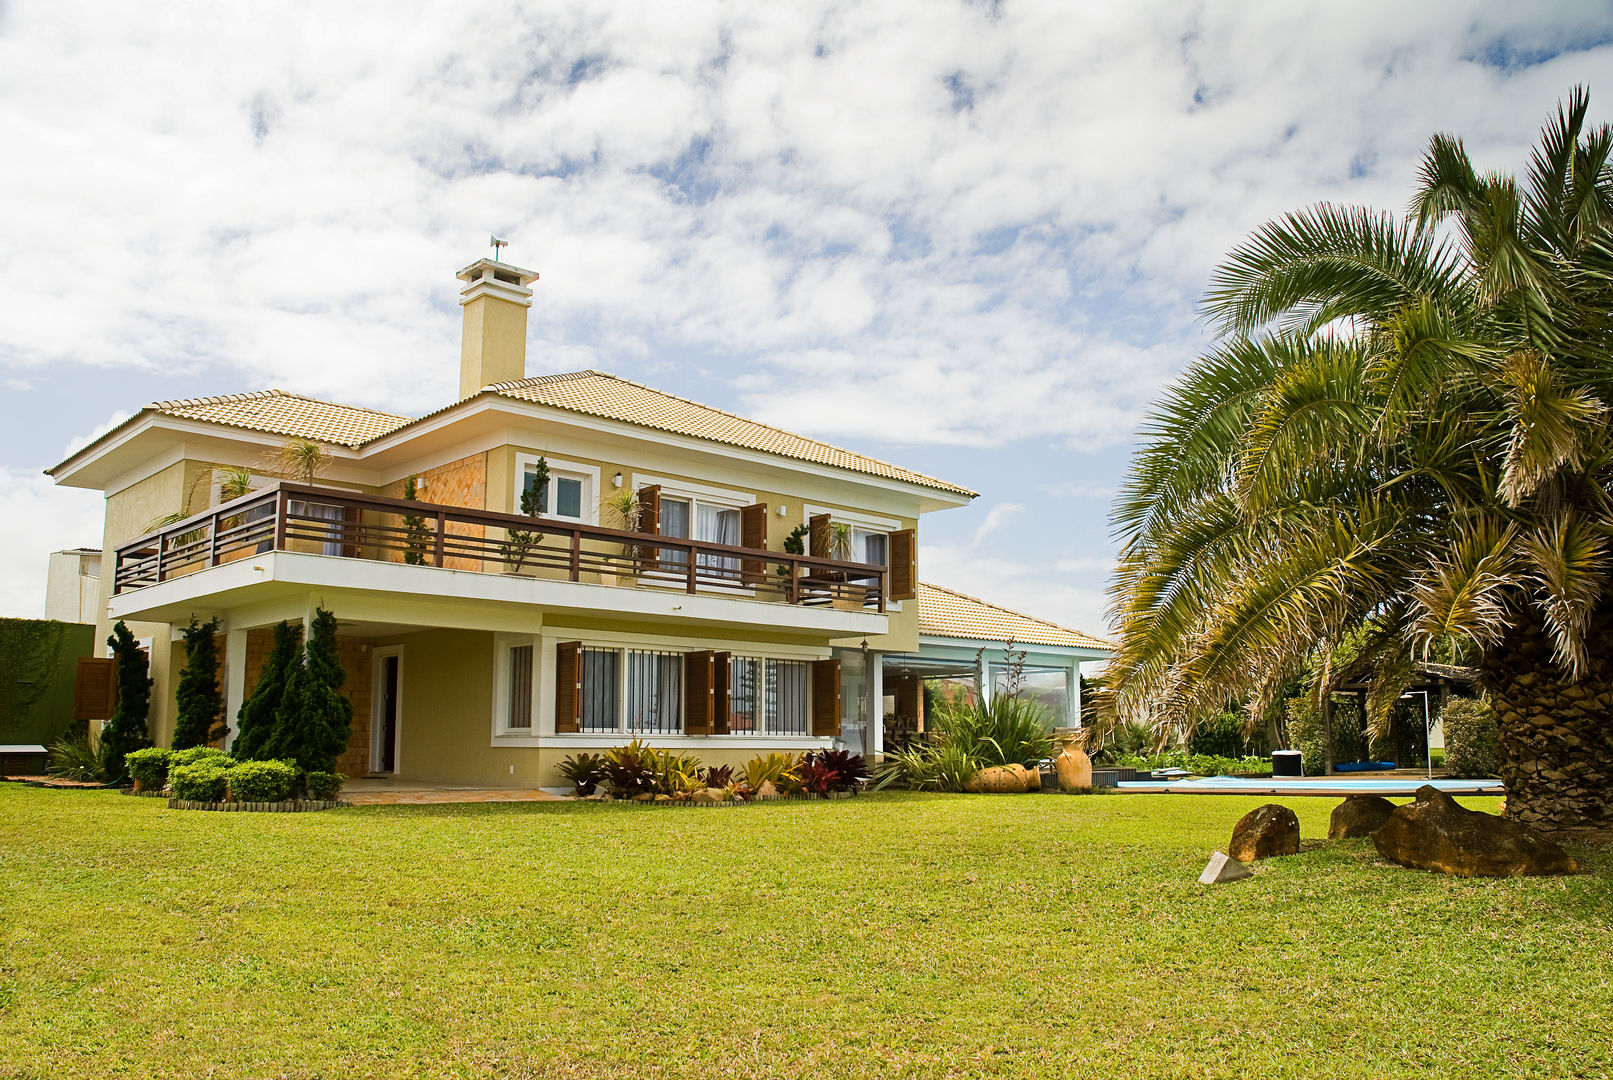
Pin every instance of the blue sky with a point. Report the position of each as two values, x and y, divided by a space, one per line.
966 237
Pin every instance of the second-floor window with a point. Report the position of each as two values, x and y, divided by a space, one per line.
568 494
696 519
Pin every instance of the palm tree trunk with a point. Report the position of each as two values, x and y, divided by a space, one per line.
1556 736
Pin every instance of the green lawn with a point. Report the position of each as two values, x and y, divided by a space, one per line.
894 935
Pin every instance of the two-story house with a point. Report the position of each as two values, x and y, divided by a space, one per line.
652 595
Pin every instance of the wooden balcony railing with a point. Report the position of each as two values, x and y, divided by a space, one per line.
323 521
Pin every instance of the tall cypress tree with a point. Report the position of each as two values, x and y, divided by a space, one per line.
314 721
126 730
201 704
256 719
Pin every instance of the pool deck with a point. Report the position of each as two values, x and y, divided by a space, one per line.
1321 786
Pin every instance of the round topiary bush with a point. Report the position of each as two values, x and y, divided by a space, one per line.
261 781
201 781
149 767
200 753
1471 735
324 785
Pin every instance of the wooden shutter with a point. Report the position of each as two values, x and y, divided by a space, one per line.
350 532
826 697
721 671
753 534
567 687
902 574
697 693
818 536
95 688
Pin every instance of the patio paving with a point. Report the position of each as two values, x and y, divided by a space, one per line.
385 792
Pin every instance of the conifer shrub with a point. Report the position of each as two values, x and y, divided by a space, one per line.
201 702
261 781
148 767
200 781
255 720
126 730
314 721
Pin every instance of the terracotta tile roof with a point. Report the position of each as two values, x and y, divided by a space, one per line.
280 413
596 393
945 613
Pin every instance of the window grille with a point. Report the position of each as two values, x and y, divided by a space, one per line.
788 683
744 698
654 692
520 688
601 690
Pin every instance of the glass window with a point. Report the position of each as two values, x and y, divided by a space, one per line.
528 482
601 688
674 522
869 547
787 697
654 692
330 537
568 497
519 717
1047 686
744 682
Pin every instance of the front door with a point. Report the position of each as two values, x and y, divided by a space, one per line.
388 683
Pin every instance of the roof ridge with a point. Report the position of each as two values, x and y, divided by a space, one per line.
724 412
1010 611
249 395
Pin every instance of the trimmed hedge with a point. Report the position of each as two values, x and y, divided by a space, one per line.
1471 735
200 753
324 785
200 781
149 767
261 781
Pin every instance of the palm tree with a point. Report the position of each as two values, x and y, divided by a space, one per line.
1401 438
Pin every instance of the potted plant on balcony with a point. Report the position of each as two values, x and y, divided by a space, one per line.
849 595
622 510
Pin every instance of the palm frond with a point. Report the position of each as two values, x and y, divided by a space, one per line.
1553 428
1569 561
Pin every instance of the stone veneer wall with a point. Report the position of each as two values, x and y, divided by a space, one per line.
354 655
458 483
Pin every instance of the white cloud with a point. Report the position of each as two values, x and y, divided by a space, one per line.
37 518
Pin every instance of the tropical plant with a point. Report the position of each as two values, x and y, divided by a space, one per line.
519 544
623 509
1470 737
416 539
126 730
73 758
780 770
999 730
302 460
585 771
1219 735
632 769
1402 434
719 776
236 482
200 714
823 771
840 540
255 719
313 721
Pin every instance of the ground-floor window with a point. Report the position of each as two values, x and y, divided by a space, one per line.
601 690
789 695
518 715
654 692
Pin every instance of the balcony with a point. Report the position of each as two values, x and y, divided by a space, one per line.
301 520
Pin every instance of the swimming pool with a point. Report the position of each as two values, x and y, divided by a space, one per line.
1336 786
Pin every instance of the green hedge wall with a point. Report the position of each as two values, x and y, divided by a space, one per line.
38 662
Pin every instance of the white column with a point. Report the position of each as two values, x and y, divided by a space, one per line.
876 684
234 680
1075 695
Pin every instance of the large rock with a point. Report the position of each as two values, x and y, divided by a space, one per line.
1358 815
1074 769
1265 831
1434 833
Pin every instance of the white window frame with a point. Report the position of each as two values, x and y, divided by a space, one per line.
863 523
543 721
503 734
695 495
575 470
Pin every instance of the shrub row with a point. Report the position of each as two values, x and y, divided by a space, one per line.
206 774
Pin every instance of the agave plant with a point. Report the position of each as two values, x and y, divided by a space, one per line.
1403 434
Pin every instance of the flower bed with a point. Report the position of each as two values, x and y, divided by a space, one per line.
640 773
